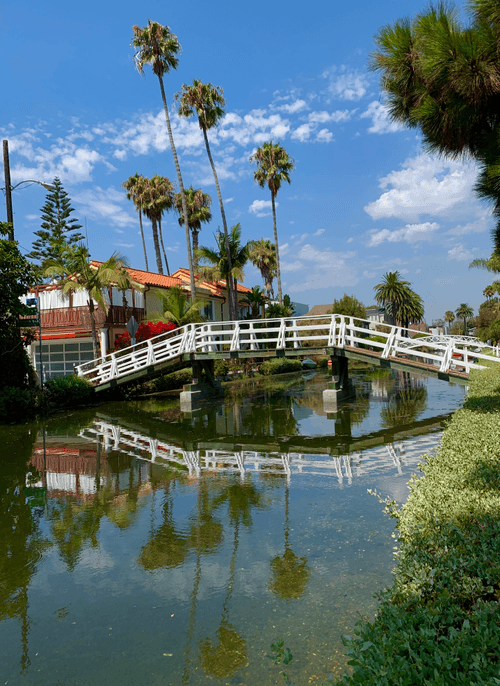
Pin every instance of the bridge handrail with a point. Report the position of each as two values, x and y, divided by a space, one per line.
331 330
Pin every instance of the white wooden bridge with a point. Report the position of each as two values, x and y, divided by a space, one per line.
447 357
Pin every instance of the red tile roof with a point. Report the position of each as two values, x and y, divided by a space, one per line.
217 288
148 278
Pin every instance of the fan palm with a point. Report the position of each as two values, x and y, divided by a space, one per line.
217 262
207 102
262 254
489 292
157 46
176 308
464 312
198 204
135 186
391 292
273 167
158 198
255 300
449 316
89 278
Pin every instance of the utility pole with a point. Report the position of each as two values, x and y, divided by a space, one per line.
8 189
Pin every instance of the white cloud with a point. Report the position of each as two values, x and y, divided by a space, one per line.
229 200
324 117
302 239
381 123
302 133
479 226
319 232
32 217
460 253
346 84
120 244
261 208
291 266
427 185
324 136
350 240
369 275
292 108
411 233
104 205
120 154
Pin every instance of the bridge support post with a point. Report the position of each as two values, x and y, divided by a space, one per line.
203 387
340 387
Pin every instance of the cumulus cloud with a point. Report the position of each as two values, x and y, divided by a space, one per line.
411 233
460 253
381 123
302 133
345 83
324 117
427 185
319 232
261 208
479 226
324 269
324 136
104 205
293 107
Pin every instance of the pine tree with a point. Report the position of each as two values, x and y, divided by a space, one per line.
58 230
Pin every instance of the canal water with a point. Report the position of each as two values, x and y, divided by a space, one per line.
143 546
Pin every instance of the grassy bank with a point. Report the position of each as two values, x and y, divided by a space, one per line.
440 621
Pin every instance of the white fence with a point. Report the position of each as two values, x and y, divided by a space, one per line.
461 353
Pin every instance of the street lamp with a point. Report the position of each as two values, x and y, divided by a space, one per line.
9 188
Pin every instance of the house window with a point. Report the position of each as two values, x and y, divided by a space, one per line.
208 311
58 359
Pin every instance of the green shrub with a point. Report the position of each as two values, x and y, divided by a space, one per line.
280 366
439 622
69 391
221 367
16 405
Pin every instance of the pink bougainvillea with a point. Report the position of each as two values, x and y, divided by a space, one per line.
144 332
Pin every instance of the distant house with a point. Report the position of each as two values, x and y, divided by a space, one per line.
66 324
319 310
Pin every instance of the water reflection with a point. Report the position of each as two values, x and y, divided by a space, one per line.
239 528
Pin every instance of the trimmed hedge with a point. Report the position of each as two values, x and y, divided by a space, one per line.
69 391
280 365
440 621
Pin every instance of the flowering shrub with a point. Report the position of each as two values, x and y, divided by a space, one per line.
144 332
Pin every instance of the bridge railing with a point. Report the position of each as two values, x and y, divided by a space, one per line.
330 331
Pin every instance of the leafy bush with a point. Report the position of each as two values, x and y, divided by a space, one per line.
69 391
222 367
16 405
439 622
171 381
280 366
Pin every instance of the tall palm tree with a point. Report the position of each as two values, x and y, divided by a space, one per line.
449 316
158 197
273 167
391 292
207 102
86 277
157 46
489 292
262 254
135 186
464 312
217 262
198 204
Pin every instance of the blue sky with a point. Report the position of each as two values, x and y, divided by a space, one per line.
364 199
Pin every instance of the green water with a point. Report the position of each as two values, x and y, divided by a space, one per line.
141 546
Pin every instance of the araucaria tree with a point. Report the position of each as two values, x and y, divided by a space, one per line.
157 46
273 167
135 187
443 77
198 204
58 228
207 102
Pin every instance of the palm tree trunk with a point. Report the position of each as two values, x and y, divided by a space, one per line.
278 268
143 241
195 248
162 246
156 242
233 306
181 190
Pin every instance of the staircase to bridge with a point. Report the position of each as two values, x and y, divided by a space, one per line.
339 336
